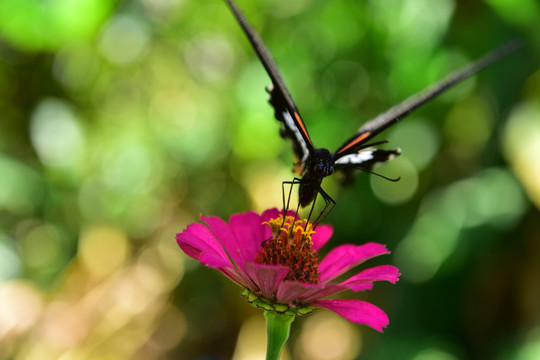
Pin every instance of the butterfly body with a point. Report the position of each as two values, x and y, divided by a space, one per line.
313 164
320 164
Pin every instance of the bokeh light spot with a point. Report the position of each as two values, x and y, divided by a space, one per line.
10 264
263 183
433 354
443 215
400 191
352 81
495 198
76 65
326 336
251 130
170 259
103 250
21 188
22 23
286 8
253 80
517 11
20 308
147 272
421 253
421 29
407 134
251 343
531 349
56 134
124 40
41 248
210 57
521 142
171 330
469 126
129 168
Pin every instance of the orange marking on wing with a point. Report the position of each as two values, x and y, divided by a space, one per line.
355 141
301 123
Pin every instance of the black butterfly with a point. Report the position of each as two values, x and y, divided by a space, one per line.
313 164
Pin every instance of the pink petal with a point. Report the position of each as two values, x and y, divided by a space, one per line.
237 276
345 257
306 293
266 277
323 233
198 242
364 280
357 311
232 241
296 291
270 214
250 233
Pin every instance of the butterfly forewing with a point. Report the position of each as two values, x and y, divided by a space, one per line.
291 130
398 112
284 107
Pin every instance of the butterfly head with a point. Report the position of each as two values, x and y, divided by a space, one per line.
322 162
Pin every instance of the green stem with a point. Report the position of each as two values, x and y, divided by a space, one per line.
278 327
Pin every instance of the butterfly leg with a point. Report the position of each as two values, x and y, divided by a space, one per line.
329 205
311 210
287 203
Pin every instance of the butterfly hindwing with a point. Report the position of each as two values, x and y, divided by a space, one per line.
363 160
366 158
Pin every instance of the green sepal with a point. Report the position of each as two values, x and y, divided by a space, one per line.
304 310
269 305
281 308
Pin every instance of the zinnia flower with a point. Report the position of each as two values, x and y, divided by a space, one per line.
276 260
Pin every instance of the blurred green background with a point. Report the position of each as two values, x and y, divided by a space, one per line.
123 121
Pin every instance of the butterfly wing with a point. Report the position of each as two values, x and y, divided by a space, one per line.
284 108
363 160
293 128
398 112
366 158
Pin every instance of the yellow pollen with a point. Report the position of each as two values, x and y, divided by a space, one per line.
290 245
279 226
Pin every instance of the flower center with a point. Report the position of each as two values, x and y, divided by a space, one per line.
290 245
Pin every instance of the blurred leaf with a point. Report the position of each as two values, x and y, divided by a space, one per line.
35 25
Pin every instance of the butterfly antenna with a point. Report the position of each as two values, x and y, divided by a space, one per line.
379 175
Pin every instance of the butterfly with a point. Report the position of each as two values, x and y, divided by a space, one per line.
357 153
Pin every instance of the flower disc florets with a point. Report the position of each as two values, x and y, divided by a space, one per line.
291 246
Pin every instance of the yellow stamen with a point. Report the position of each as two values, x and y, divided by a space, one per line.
290 245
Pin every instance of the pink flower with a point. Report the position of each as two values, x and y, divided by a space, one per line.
278 263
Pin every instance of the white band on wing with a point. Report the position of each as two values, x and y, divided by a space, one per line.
289 122
357 158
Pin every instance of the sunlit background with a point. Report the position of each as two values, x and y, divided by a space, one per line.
121 122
